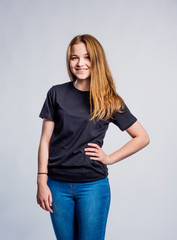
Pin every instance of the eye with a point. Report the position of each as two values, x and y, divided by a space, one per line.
73 58
88 57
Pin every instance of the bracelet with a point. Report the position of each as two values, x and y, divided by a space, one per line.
42 173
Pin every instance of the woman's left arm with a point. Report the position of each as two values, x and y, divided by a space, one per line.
139 140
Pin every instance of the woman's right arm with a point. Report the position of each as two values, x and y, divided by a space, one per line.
44 196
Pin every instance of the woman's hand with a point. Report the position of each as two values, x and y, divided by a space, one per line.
98 154
44 197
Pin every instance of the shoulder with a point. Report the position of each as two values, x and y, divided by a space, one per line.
59 88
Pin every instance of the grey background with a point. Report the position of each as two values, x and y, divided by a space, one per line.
139 38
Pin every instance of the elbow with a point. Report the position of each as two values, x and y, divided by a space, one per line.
45 141
146 140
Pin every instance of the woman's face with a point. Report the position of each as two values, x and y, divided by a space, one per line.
80 64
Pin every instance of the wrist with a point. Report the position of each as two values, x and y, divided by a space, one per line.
109 160
41 179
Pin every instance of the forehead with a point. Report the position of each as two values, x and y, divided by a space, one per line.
79 48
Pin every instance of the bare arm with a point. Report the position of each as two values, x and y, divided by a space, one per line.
139 140
43 151
44 197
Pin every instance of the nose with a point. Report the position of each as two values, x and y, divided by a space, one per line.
80 62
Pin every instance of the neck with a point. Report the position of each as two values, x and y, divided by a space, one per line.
83 85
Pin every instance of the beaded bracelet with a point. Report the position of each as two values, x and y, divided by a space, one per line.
42 173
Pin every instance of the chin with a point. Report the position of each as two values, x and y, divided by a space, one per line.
82 78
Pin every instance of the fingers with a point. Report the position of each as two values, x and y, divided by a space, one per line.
94 145
42 204
45 201
46 206
50 199
50 202
91 149
96 153
92 154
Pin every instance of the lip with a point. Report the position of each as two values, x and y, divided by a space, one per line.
81 72
81 68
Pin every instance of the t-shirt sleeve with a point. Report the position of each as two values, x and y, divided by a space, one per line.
124 120
48 108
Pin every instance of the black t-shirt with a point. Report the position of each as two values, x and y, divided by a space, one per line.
69 108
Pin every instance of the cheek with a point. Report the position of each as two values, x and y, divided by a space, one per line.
71 66
89 64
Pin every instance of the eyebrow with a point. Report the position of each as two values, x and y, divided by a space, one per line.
76 55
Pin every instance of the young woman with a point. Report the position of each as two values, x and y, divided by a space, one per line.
72 180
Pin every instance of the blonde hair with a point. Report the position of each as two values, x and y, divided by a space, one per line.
103 95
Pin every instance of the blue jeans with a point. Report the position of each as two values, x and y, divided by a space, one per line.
80 210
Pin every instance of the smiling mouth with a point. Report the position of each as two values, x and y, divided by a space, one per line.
81 70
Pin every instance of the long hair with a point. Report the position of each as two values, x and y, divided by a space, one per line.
103 95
